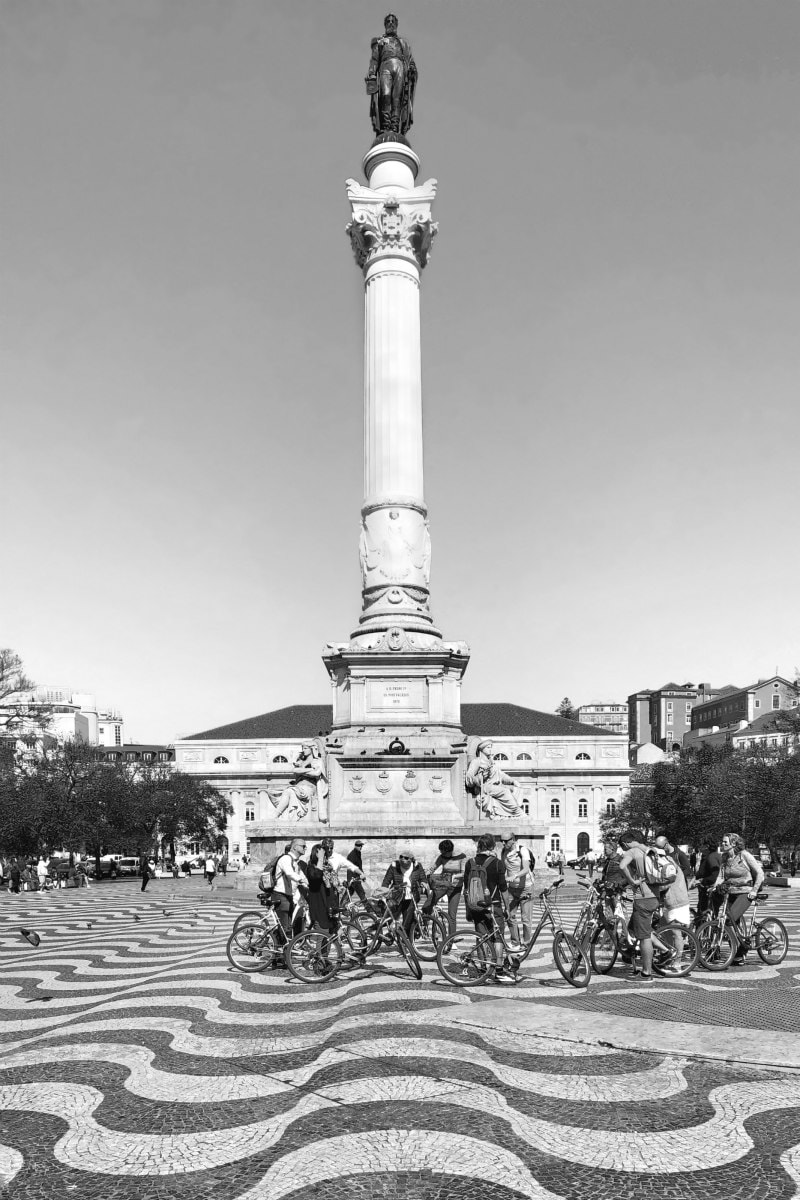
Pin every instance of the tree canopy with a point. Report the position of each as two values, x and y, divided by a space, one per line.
69 795
567 710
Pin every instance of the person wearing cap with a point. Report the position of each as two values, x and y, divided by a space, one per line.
408 882
354 882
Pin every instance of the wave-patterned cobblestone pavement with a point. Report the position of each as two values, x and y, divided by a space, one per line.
136 1063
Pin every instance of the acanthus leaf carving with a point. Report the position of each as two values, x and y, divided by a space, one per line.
390 224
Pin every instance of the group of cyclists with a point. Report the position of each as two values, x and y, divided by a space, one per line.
648 879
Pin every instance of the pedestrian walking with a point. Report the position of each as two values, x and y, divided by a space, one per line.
211 870
144 870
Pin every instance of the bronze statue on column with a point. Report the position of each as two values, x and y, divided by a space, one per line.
391 81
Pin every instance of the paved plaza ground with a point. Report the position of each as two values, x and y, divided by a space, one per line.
136 1063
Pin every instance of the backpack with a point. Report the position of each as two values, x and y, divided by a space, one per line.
477 896
267 880
659 870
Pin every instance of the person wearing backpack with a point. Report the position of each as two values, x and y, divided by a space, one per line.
519 863
646 898
486 893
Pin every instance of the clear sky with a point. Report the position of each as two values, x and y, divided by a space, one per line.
611 359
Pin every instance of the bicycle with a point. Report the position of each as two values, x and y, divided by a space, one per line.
258 941
317 957
594 930
467 959
427 931
719 940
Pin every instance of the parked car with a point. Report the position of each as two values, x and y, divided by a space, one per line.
127 866
108 867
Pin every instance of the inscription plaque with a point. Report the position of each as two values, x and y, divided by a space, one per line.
405 694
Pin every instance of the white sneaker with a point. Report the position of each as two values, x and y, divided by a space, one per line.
513 947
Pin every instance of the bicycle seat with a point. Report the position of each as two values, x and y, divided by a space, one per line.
583 883
761 897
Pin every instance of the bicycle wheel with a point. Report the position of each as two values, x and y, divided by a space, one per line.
772 941
716 945
251 947
357 938
427 934
252 914
314 957
682 954
603 950
408 952
571 960
462 959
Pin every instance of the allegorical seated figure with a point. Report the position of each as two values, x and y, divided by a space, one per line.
391 80
494 791
309 785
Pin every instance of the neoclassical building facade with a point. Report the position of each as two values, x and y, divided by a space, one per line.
566 776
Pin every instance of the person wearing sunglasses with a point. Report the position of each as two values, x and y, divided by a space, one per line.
408 882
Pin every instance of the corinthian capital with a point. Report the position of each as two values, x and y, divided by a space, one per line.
391 224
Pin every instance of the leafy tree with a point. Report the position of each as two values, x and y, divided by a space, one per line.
169 806
567 710
70 794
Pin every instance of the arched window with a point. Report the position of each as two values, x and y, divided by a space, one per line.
583 811
583 844
555 810
611 808
524 757
221 759
555 842
526 805
249 812
676 747
582 757
279 758
500 757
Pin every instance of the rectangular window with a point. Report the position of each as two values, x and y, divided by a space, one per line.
583 810
555 810
611 808
758 704
117 736
776 701
669 706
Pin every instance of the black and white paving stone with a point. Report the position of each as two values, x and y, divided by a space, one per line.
136 1063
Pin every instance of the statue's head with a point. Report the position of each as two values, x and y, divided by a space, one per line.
390 23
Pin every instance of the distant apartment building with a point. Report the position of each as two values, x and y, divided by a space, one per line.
664 715
639 717
154 754
732 709
767 732
605 715
66 715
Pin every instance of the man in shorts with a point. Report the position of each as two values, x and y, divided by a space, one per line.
645 900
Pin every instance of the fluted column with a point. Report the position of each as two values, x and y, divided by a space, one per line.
391 232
